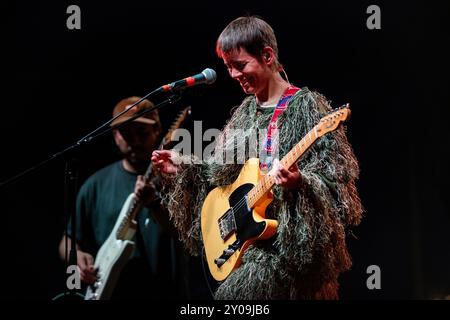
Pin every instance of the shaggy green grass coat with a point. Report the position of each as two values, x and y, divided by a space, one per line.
307 254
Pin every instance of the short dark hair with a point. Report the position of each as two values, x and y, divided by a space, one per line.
250 33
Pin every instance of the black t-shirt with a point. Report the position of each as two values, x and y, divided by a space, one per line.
98 206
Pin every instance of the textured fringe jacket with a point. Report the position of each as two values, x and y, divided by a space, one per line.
307 254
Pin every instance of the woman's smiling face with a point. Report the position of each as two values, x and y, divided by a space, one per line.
251 73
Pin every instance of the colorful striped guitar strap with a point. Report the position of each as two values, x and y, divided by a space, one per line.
266 155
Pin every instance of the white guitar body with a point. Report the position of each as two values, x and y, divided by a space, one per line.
114 254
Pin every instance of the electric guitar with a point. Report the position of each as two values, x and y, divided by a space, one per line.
233 216
118 248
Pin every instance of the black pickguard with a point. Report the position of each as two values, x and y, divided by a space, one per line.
246 226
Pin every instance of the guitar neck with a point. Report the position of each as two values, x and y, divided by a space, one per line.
267 182
136 206
166 140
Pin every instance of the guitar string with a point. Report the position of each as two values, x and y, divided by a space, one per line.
243 201
239 205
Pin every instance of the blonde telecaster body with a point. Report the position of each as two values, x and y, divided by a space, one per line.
233 216
251 224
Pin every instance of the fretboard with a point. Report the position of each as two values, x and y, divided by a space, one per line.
135 208
267 181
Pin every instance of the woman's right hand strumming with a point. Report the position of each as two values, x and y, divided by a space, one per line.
164 161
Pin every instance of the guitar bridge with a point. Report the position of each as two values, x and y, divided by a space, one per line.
227 224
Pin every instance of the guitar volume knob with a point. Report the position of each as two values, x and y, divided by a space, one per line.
228 252
219 261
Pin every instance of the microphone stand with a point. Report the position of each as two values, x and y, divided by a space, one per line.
70 191
71 174
95 134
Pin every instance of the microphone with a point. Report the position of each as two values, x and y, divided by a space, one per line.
207 76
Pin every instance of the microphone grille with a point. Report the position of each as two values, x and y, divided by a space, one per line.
210 75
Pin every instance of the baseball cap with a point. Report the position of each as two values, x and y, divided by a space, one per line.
148 118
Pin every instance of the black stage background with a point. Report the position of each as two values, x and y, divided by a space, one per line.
59 84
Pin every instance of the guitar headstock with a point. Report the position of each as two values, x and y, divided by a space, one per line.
331 121
175 125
